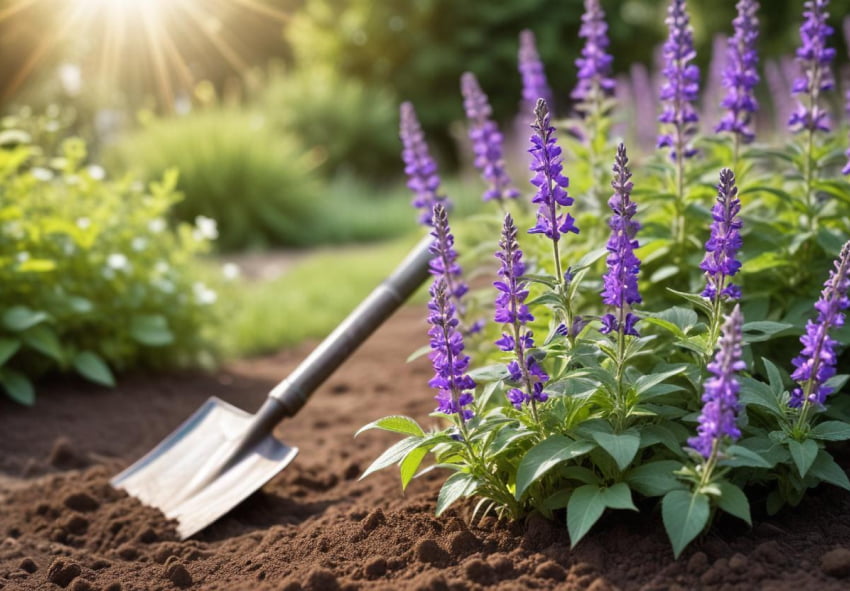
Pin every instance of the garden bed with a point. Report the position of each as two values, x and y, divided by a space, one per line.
316 526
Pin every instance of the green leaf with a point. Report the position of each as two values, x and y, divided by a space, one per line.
831 431
622 447
19 318
733 500
393 455
151 330
619 496
741 457
489 373
43 339
764 330
685 515
696 299
754 392
546 455
92 367
18 387
585 507
684 318
655 479
8 347
418 353
410 464
774 376
803 453
459 484
645 382
396 424
824 468
658 433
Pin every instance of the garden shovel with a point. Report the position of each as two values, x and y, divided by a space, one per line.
221 454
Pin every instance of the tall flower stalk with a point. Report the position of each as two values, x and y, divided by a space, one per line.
816 363
740 77
486 142
620 281
534 83
444 263
419 166
718 419
512 311
721 250
679 93
814 59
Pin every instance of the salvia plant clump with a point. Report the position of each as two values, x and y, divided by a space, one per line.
648 359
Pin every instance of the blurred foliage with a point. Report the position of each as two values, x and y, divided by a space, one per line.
351 125
93 277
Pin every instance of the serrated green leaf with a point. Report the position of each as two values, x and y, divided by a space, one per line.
8 347
803 453
459 484
410 464
546 455
151 330
655 479
741 457
733 500
396 424
20 318
831 431
585 507
393 455
619 496
826 469
92 367
18 387
622 447
43 339
685 515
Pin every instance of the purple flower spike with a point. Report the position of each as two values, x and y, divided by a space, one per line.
450 380
444 264
740 75
420 168
620 280
814 58
594 65
816 362
486 141
512 310
722 246
550 182
534 84
718 420
681 90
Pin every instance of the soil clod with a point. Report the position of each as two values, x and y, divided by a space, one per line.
836 563
81 501
175 571
61 572
28 565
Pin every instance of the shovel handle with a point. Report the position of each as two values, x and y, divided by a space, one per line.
294 390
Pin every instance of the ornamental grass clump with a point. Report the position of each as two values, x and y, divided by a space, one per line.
603 388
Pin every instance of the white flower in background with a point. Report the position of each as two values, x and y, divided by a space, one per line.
96 172
23 257
161 267
205 228
71 78
231 271
72 180
156 225
41 173
203 294
52 126
139 244
137 187
164 285
117 261
83 223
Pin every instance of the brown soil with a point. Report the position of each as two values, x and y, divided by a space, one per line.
316 526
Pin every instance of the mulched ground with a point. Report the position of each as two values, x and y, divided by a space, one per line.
316 526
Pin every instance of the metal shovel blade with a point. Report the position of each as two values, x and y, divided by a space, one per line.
183 476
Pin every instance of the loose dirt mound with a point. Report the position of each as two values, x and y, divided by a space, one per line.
316 526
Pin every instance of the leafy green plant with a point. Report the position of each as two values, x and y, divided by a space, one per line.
94 279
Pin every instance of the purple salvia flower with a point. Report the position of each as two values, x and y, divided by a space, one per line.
444 263
551 184
486 141
680 90
721 249
740 75
420 168
814 58
450 380
816 362
620 284
594 65
512 310
718 419
534 84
